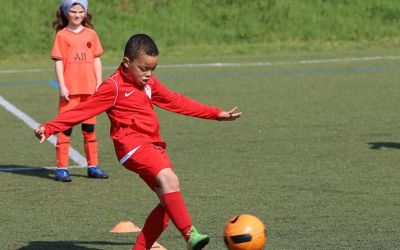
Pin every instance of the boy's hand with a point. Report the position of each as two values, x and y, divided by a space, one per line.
229 115
39 132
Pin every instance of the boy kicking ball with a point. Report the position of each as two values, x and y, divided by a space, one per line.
127 97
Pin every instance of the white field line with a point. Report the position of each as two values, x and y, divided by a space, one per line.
316 61
73 154
221 64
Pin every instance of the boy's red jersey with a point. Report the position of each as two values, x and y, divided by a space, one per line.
77 51
129 106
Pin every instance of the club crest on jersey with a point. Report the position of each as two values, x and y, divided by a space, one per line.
147 89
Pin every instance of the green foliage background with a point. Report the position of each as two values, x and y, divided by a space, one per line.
230 26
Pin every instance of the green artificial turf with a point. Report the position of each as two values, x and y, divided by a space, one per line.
315 157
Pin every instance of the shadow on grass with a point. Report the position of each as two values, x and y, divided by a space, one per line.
34 171
28 170
69 245
380 145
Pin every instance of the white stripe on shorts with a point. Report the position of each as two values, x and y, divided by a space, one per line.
128 155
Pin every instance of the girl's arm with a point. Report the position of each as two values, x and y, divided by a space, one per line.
98 71
63 90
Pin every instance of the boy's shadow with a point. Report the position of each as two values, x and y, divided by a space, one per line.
35 171
380 145
69 245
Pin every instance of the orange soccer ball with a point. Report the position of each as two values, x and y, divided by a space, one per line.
245 232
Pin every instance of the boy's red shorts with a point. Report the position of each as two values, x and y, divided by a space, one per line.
147 162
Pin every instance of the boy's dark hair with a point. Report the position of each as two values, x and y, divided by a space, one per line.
140 44
61 20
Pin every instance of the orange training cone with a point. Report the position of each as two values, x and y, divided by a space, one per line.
128 227
125 227
157 246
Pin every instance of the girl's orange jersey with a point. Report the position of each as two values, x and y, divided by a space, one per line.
77 51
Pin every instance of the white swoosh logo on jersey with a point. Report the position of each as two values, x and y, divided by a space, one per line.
129 93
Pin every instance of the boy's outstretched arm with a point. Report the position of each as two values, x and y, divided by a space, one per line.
230 115
102 100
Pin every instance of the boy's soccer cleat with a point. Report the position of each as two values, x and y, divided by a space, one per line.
196 240
62 175
96 172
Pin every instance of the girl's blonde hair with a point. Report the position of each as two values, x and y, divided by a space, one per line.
61 21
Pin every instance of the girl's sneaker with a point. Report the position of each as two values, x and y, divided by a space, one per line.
62 174
196 240
96 172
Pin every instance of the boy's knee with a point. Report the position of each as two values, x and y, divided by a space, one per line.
167 179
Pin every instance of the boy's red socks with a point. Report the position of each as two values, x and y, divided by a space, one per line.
177 211
155 224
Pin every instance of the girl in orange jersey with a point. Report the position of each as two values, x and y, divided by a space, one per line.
76 52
